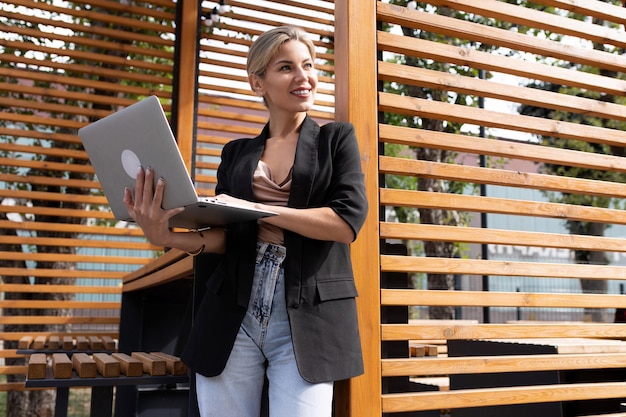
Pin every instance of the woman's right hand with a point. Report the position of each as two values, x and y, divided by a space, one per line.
145 208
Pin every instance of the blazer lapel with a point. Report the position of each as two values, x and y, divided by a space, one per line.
305 164
247 165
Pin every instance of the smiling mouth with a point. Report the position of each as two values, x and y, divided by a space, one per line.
301 92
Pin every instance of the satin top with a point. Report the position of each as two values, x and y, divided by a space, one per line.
267 191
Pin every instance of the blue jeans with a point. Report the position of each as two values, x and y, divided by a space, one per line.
263 348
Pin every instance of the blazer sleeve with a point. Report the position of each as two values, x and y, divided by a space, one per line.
346 194
223 168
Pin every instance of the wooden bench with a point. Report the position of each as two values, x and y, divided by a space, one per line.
101 371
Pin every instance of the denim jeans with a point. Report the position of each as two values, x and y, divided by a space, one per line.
264 348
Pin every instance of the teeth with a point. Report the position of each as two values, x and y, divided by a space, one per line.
300 92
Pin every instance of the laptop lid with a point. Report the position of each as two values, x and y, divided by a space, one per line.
140 136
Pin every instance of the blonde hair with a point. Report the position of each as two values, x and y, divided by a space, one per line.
265 47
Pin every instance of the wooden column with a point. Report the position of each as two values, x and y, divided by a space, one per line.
186 84
356 102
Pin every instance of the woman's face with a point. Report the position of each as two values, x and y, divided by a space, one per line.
290 80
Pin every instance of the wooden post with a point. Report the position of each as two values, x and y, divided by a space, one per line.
356 102
186 83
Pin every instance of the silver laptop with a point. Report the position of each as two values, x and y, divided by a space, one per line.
140 136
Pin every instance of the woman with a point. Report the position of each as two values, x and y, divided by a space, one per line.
281 303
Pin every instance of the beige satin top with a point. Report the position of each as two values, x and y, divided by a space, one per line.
267 191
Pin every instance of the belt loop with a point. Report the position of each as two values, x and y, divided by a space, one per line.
261 247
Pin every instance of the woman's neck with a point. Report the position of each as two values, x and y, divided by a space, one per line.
285 125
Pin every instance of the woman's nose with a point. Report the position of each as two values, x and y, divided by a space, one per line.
301 74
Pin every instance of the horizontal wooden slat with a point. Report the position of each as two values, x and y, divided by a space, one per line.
395 103
9 353
426 78
55 257
529 152
224 127
424 199
12 386
51 196
23 150
33 226
496 364
602 10
54 273
45 304
79 243
15 336
499 268
499 299
430 232
501 331
56 289
503 177
500 396
51 166
60 212
12 370
29 320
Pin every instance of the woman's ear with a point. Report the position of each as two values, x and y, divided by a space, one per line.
255 84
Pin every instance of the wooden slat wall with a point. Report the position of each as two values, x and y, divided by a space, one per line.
441 332
63 241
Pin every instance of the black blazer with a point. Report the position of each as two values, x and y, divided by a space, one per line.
319 282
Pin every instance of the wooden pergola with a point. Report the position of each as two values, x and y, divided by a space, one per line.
118 53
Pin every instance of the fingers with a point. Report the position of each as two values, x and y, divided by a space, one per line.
143 196
139 186
158 193
147 191
155 197
148 198
128 202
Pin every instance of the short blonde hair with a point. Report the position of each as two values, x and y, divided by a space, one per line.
264 48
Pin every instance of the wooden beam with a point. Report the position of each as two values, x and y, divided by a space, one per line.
185 99
355 96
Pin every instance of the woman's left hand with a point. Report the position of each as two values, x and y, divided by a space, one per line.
146 208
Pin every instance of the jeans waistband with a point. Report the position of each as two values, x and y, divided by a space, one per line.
274 252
